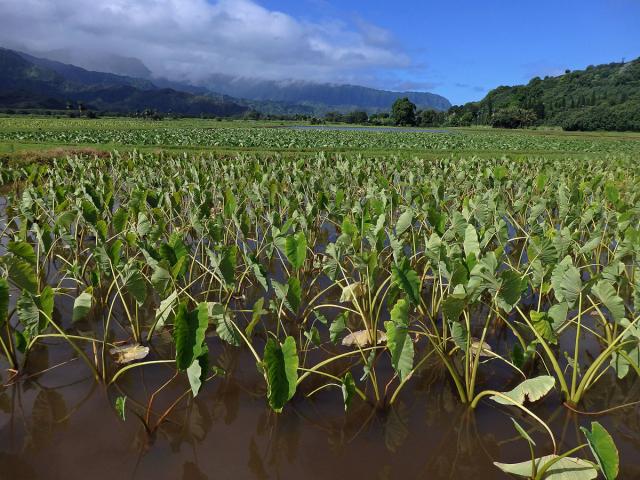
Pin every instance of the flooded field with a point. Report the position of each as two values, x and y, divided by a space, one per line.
256 317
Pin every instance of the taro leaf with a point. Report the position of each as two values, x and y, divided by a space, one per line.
566 281
161 277
225 328
404 222
89 212
294 294
523 433
532 389
120 219
165 309
281 368
120 407
230 203
351 292
512 288
28 314
398 339
604 449
407 279
23 250
313 336
558 315
296 250
348 389
197 371
256 315
567 468
452 307
135 284
143 226
82 305
188 332
543 324
228 264
459 335
471 244
4 300
22 274
607 295
337 327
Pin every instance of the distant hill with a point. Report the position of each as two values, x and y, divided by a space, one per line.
28 82
322 97
603 97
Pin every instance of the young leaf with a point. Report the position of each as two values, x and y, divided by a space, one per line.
120 407
296 250
348 389
82 305
407 279
281 368
604 449
607 295
398 339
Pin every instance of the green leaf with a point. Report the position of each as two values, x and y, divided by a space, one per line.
566 468
256 315
471 244
225 328
566 282
532 389
89 212
281 368
348 389
407 279
188 332
543 324
452 307
22 274
337 327
24 251
197 371
82 305
404 222
135 284
608 296
28 314
120 407
511 289
120 219
228 264
296 250
604 449
294 294
398 339
351 292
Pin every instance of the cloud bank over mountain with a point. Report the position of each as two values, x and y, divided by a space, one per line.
191 39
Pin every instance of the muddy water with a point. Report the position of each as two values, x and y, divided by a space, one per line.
61 425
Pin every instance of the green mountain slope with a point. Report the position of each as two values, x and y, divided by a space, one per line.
603 97
30 83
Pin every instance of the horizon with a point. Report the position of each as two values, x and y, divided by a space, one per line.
324 41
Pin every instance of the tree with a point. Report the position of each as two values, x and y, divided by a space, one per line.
513 117
403 112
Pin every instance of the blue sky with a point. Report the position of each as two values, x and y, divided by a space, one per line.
462 48
459 49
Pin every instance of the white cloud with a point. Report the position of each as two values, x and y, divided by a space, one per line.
193 38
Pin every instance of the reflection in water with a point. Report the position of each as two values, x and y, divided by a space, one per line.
68 429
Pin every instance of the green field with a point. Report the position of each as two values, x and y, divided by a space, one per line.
333 275
20 135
